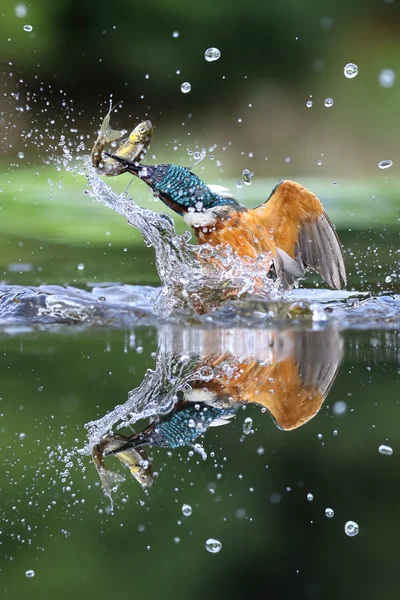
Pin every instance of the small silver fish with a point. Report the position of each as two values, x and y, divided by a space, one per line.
135 460
133 149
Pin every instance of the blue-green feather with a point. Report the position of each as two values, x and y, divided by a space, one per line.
175 429
181 189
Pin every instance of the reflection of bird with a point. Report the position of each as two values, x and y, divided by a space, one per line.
291 226
289 372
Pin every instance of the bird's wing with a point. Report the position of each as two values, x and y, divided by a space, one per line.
293 225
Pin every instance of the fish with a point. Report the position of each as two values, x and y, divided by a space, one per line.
133 149
134 459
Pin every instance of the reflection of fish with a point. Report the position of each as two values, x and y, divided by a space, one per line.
291 227
133 149
135 460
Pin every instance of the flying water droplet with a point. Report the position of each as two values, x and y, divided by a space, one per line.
339 408
329 512
351 70
310 497
385 164
351 528
212 54
28 28
247 176
386 78
21 155
328 102
185 87
385 450
186 510
21 10
175 34
213 546
309 103
30 573
247 425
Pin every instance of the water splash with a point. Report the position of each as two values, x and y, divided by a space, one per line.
197 277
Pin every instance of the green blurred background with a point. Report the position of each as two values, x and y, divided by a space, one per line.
56 80
248 109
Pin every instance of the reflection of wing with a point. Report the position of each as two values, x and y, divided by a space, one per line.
292 386
295 227
319 357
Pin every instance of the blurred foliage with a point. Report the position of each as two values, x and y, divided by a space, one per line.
103 47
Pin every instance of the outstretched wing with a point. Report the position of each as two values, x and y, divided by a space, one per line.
293 225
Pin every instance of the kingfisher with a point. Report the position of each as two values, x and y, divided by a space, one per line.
291 226
290 375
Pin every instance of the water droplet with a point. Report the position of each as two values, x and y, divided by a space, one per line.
326 22
185 87
21 155
309 103
247 425
328 102
386 78
186 510
212 54
329 512
385 450
30 573
247 176
351 70
206 373
147 76
339 408
22 436
81 267
310 497
385 164
388 279
213 546
351 528
28 28
175 34
21 10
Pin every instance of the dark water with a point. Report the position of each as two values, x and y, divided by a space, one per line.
251 491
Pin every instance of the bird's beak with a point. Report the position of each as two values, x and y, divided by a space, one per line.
133 167
130 444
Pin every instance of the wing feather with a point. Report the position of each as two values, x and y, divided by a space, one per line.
299 234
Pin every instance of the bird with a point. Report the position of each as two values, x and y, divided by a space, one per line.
288 372
291 226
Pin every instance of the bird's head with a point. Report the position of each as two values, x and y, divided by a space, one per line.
178 187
